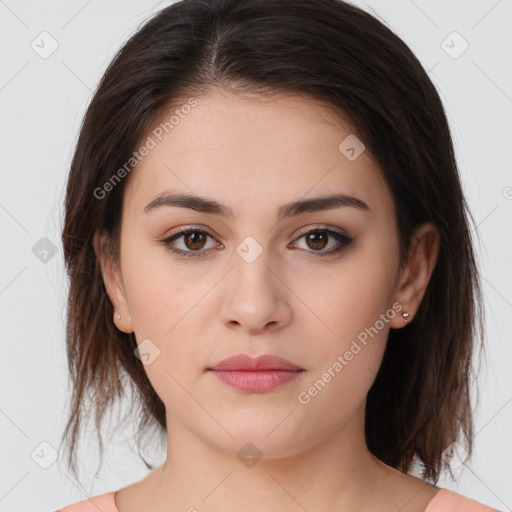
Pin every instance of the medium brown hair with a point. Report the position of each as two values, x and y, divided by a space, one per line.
325 50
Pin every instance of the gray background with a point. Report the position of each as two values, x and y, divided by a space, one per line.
42 101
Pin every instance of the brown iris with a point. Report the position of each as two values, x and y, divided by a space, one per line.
313 237
195 238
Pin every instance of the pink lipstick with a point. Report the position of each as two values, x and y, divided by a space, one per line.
256 375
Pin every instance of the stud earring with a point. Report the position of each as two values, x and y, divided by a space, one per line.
118 316
405 315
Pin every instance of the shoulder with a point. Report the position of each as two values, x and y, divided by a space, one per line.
104 502
451 501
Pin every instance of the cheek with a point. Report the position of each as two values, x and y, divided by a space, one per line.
351 299
165 309
346 357
345 362
162 312
156 296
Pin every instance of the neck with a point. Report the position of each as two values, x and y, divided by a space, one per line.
337 472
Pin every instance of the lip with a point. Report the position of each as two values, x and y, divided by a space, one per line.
256 375
243 362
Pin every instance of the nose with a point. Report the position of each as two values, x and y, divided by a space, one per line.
255 296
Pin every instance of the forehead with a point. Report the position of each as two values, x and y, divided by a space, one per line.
254 152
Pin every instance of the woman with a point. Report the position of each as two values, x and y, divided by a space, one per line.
267 240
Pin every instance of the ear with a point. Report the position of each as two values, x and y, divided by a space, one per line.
417 272
112 278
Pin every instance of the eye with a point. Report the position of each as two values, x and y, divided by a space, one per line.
317 239
195 239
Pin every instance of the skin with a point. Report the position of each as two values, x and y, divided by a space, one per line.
254 155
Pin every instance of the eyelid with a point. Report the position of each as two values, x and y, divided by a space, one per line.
322 227
187 228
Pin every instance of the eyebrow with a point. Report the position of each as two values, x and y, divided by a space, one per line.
210 206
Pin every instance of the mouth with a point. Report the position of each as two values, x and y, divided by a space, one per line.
256 375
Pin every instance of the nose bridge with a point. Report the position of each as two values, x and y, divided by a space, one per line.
255 296
253 269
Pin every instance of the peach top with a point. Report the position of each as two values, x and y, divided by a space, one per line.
443 501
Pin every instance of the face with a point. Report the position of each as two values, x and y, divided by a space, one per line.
259 279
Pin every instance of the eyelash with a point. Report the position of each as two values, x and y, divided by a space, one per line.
344 240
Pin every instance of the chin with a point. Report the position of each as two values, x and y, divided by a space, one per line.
251 442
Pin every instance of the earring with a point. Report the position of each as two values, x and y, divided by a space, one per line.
118 316
405 315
